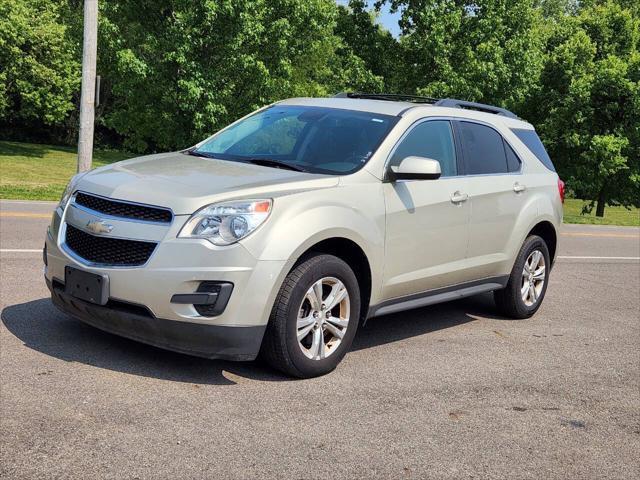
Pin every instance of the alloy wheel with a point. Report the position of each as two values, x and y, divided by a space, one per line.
323 318
533 277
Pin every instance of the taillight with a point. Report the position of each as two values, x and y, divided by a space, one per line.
561 189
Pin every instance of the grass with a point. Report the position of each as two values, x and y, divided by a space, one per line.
41 172
612 215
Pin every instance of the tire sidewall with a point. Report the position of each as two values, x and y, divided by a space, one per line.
329 267
531 244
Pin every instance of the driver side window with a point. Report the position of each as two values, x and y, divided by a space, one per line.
431 139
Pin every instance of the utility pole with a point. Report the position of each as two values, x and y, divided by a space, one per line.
88 89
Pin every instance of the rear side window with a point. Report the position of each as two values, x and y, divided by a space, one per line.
484 149
513 162
532 141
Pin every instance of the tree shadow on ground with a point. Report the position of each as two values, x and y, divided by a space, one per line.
41 327
17 149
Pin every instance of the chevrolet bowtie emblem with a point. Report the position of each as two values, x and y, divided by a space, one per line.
99 226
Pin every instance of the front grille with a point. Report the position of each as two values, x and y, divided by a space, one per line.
108 251
119 208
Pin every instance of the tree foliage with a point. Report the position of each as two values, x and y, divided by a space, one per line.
186 68
587 106
364 37
480 50
175 71
38 70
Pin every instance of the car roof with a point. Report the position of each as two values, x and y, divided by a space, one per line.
398 108
381 107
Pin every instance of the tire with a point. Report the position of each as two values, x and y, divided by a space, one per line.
296 305
511 301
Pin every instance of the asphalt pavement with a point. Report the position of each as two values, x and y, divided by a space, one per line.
446 392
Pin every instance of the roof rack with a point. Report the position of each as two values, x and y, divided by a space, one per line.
438 102
393 97
482 107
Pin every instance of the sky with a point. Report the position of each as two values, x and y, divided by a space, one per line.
387 19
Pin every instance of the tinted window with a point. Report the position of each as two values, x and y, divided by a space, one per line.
513 162
317 139
433 139
483 149
532 141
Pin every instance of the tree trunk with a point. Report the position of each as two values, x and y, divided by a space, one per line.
601 201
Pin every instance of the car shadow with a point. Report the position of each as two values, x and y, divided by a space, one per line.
412 323
41 327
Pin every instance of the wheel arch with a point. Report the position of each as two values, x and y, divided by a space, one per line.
547 232
353 255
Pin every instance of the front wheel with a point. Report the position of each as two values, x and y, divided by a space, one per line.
314 318
528 281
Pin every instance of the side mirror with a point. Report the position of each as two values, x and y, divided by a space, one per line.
416 168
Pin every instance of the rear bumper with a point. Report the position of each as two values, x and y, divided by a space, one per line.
137 323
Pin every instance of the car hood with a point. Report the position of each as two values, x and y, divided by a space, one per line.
186 183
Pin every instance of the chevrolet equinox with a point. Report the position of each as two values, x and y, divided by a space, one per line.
283 232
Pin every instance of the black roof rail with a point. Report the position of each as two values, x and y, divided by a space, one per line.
393 97
482 107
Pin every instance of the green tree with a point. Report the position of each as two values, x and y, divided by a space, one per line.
179 70
38 71
587 107
371 42
482 50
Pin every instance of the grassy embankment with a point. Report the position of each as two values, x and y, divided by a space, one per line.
40 172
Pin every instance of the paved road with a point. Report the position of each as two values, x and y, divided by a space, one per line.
450 391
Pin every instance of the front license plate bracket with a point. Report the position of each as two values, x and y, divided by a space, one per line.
87 286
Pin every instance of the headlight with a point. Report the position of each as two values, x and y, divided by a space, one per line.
226 223
69 190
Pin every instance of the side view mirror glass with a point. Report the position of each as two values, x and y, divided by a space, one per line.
416 168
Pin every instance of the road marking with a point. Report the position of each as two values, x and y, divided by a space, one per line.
611 235
570 257
29 202
25 215
20 250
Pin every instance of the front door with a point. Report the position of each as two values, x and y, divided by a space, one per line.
426 220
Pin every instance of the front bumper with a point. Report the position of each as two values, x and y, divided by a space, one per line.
137 323
148 303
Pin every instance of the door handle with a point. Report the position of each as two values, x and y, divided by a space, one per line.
517 187
458 197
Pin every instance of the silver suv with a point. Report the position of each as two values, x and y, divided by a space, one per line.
285 231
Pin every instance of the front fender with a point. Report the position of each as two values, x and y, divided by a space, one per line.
302 220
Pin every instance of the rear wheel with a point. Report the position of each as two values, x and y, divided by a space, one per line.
314 318
527 284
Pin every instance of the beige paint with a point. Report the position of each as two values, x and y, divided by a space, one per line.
413 235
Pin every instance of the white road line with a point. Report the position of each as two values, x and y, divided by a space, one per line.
20 250
29 202
570 257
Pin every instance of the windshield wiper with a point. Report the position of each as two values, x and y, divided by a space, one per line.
196 153
268 162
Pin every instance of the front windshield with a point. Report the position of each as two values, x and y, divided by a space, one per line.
314 139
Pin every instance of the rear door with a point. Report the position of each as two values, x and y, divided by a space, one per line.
426 220
497 195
